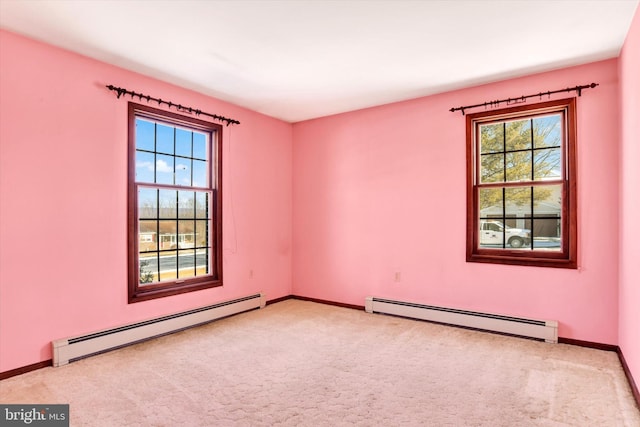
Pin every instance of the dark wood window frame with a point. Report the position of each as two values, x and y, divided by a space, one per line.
213 276
567 256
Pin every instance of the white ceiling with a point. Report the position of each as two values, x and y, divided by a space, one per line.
297 60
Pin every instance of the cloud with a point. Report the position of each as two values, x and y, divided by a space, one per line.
147 165
162 166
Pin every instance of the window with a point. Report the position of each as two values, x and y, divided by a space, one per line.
175 205
521 185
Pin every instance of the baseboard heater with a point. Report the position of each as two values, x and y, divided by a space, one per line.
541 329
71 349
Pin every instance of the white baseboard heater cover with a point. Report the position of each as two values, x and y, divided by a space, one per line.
71 349
542 329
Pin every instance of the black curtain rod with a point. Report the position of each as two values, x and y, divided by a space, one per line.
120 91
523 98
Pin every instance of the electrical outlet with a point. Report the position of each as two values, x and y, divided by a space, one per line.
251 273
397 277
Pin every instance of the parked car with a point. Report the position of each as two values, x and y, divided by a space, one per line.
493 233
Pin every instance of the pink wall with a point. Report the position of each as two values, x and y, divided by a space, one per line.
382 190
63 156
629 336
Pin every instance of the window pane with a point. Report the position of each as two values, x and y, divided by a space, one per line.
547 210
490 202
547 131
168 237
168 265
202 265
518 202
144 167
183 171
145 135
147 203
183 142
186 263
168 202
186 204
202 234
164 139
203 250
200 145
518 166
186 234
200 173
547 200
492 138
547 164
202 204
147 232
492 168
518 135
518 210
164 169
547 234
491 233
148 268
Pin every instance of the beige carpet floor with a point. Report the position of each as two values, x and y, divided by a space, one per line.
298 363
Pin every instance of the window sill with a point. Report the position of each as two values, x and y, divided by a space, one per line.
516 259
160 291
